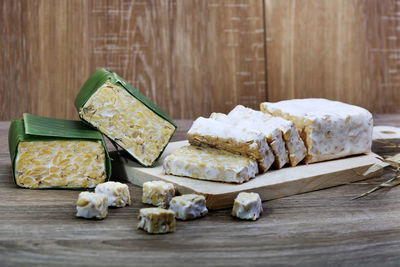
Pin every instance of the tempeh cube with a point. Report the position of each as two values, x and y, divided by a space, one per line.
156 220
266 123
158 193
91 205
222 135
188 206
117 193
247 206
329 129
207 163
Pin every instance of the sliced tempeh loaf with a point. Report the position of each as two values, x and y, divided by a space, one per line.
212 164
268 130
330 129
222 135
262 121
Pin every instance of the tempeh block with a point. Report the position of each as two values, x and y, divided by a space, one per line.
329 129
56 153
266 123
210 164
246 121
127 117
224 136
67 164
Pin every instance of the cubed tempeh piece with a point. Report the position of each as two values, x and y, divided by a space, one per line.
265 122
222 135
189 206
158 193
247 206
117 193
329 129
207 163
156 220
91 205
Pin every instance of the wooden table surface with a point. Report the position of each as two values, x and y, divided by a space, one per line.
322 227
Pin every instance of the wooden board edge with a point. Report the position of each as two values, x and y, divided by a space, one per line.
284 189
295 187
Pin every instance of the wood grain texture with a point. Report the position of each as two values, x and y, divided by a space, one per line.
319 228
189 57
44 57
342 50
383 38
196 57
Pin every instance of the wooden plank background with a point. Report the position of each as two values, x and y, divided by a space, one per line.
195 57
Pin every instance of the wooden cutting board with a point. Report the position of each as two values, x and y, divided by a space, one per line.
270 185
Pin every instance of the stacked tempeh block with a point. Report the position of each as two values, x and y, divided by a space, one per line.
235 147
283 133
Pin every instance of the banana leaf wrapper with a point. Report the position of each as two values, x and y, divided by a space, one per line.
111 105
57 153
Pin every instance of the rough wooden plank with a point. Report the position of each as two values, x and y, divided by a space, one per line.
190 57
62 55
18 20
39 228
45 58
213 50
343 50
382 23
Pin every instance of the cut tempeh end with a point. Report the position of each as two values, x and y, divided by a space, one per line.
57 153
66 164
329 129
123 114
128 122
210 164
294 144
221 135
246 118
265 122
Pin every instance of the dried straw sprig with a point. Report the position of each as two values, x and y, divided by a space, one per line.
388 144
394 163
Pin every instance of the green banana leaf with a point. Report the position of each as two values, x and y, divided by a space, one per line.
35 128
98 79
